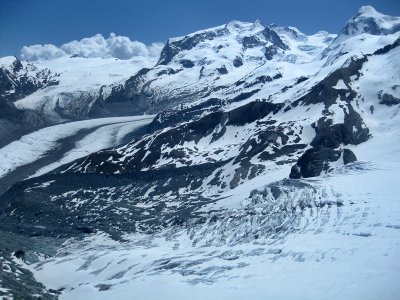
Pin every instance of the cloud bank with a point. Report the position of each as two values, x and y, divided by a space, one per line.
96 46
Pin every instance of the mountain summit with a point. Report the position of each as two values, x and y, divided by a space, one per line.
368 20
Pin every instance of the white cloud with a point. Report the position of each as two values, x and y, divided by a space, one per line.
96 46
122 47
46 51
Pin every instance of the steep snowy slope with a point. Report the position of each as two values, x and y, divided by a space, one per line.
201 203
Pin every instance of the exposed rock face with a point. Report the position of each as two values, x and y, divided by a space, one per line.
317 160
237 62
187 63
327 140
388 48
348 156
329 136
314 161
151 147
388 99
129 98
352 131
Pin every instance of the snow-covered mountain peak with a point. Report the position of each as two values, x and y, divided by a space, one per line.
198 32
239 27
368 10
7 61
236 36
324 33
363 34
369 21
233 27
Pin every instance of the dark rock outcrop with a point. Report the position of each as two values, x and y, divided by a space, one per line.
388 99
317 160
351 131
237 62
348 156
186 63
222 70
314 161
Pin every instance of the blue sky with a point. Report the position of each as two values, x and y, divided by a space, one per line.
27 22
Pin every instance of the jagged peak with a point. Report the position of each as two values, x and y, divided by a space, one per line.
258 24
